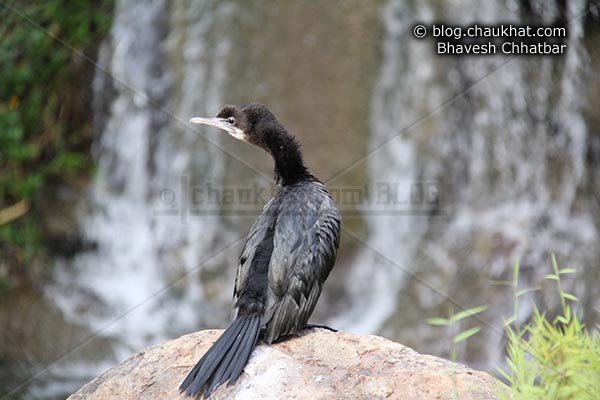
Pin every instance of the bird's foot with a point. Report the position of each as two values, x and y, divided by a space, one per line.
310 326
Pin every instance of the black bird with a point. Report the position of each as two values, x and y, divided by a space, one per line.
288 254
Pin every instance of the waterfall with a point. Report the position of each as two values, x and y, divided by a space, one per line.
501 140
505 145
374 281
162 64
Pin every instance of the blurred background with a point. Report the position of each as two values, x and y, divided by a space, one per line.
116 229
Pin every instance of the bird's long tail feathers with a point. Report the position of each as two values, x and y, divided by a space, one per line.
226 359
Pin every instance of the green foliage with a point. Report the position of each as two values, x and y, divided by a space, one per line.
45 113
451 323
552 359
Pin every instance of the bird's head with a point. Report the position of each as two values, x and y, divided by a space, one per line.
252 123
255 124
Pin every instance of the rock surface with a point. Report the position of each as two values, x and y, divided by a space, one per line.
316 365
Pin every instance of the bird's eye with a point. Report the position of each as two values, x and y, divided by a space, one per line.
231 120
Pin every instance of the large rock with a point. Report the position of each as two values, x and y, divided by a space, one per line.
316 365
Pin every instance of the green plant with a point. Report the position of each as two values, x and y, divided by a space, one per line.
552 359
45 111
452 321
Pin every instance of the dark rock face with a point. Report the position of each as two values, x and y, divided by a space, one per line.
317 365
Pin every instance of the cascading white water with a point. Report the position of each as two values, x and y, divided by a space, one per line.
374 282
160 66
508 157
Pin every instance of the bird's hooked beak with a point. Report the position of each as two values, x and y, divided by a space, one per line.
221 123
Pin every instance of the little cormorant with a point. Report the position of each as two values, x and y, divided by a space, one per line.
288 254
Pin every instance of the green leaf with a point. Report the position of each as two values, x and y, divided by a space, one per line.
466 334
567 271
554 264
469 312
569 296
525 291
438 321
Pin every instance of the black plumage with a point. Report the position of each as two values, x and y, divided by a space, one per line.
287 257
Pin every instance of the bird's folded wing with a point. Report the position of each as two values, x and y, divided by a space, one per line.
305 243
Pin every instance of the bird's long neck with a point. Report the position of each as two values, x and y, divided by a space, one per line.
289 165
